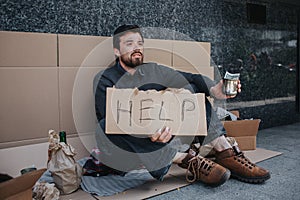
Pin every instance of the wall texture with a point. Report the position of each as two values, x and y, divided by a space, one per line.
265 54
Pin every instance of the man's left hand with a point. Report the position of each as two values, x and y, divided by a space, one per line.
162 135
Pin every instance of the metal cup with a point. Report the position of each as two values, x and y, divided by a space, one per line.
230 87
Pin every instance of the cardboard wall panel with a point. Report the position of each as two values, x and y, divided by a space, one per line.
191 54
28 49
38 74
66 81
159 51
29 103
77 107
206 71
76 99
77 50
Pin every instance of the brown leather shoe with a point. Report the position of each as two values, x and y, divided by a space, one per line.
204 170
241 167
185 162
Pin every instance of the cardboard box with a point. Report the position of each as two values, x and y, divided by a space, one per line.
244 131
20 188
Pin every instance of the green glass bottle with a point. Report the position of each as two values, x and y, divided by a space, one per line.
62 137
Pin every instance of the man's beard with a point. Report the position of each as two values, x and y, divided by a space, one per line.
131 61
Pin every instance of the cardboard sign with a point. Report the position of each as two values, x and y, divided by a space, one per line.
130 111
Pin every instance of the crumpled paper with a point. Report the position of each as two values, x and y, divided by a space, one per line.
45 191
66 172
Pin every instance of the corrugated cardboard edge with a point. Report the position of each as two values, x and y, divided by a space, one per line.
20 188
173 181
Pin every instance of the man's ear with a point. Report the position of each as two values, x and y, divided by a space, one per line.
117 52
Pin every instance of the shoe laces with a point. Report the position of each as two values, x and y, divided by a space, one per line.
244 161
199 167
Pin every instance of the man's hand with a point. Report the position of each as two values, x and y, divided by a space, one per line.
162 135
217 91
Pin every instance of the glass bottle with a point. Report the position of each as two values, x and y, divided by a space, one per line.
62 137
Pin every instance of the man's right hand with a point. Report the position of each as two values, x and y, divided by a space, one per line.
162 135
218 93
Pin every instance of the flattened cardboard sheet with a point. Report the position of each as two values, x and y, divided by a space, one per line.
173 181
260 154
130 111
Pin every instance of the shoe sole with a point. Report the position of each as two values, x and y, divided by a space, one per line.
224 178
255 180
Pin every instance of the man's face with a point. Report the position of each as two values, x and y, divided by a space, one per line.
131 50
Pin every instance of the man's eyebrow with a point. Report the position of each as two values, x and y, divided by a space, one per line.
129 40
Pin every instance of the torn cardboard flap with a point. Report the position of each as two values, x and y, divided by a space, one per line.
20 188
242 127
244 131
130 111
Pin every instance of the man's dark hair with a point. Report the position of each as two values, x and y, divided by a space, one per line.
122 30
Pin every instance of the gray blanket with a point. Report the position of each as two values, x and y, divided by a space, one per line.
107 185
